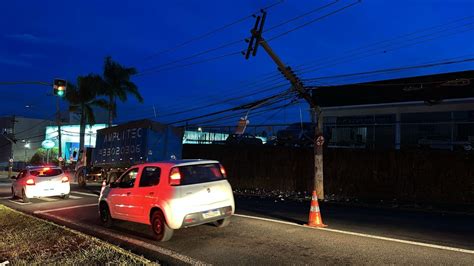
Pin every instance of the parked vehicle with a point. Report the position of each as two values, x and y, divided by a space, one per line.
119 147
235 139
443 143
297 134
40 181
169 195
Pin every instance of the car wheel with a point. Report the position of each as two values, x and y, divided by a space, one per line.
65 196
24 197
81 179
222 223
161 231
105 217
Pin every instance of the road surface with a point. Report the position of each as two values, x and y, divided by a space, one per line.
268 231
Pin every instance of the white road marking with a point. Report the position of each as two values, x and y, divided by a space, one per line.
19 202
74 197
468 251
143 244
49 199
9 197
66 208
84 193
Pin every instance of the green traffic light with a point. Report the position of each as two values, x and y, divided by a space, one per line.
61 93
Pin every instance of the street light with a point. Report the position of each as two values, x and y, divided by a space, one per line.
27 146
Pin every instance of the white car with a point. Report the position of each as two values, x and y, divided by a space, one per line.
40 181
169 195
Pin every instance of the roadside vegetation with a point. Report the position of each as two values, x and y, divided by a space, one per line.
28 240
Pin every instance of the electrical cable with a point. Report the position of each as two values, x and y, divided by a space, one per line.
226 100
209 33
388 41
283 95
312 21
300 16
245 106
160 69
395 69
352 55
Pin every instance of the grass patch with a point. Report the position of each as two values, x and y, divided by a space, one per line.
28 240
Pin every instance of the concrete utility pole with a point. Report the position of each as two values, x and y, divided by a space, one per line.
13 142
297 85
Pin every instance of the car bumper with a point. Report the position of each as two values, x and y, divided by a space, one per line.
207 216
55 190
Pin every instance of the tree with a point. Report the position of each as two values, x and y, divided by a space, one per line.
118 85
83 98
41 156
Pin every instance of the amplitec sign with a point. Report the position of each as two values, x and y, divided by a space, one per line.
124 145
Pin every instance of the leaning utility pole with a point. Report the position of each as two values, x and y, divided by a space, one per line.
256 40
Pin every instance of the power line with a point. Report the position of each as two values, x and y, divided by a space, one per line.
375 48
35 125
300 16
345 80
392 49
209 33
312 21
236 116
351 51
160 69
227 100
269 81
395 69
245 106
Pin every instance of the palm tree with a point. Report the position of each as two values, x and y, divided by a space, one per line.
83 98
118 85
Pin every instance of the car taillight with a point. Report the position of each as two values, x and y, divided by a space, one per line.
175 177
223 172
30 181
65 179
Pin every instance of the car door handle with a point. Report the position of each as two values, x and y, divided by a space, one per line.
128 193
151 193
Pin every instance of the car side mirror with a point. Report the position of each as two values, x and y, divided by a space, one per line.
113 185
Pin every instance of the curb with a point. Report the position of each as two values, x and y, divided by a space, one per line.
366 205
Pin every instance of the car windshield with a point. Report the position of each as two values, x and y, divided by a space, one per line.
46 172
200 173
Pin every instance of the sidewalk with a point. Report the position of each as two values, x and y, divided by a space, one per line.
5 179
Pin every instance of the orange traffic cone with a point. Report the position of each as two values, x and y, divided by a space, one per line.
315 219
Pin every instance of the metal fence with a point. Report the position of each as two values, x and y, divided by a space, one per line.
446 135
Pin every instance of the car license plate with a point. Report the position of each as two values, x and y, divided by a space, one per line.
211 213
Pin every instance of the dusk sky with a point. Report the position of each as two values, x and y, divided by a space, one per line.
43 40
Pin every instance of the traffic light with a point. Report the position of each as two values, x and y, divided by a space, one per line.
59 87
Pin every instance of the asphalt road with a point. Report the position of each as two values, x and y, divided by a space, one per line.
354 236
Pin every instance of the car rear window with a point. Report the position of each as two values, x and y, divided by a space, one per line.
46 172
200 173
